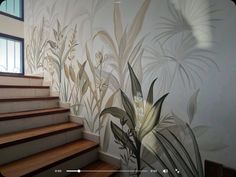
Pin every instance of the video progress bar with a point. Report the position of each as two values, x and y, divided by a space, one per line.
106 171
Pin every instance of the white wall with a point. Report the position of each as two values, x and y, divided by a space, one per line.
213 36
11 26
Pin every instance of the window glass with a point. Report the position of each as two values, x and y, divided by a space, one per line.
13 8
11 55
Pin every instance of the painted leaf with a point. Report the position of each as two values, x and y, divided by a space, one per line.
200 130
118 113
106 38
197 153
137 22
150 93
185 153
85 87
152 118
128 106
192 106
175 152
81 70
66 70
72 74
118 27
121 136
136 87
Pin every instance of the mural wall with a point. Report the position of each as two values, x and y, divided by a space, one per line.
181 48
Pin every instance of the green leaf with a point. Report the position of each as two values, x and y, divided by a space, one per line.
136 87
185 152
150 93
152 118
118 113
176 153
121 136
129 108
106 138
197 153
166 152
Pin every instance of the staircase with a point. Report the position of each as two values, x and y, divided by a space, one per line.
37 137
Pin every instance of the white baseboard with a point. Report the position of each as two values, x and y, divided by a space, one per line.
64 104
91 136
76 119
111 159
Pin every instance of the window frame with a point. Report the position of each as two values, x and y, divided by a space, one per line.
15 17
21 40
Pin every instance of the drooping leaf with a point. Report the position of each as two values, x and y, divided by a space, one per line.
128 106
192 106
118 27
197 153
152 118
121 136
118 113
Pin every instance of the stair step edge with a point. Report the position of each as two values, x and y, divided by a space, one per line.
32 113
29 99
36 133
9 170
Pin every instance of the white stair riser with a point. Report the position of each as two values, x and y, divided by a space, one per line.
19 151
10 126
4 80
23 92
7 107
73 164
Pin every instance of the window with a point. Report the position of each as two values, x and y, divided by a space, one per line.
12 8
11 54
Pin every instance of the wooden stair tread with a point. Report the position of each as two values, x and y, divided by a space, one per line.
24 87
32 113
32 134
47 159
98 169
29 99
20 76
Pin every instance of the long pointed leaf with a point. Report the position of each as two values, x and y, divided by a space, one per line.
185 152
176 153
121 136
197 153
165 150
136 87
152 118
118 113
118 27
128 106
